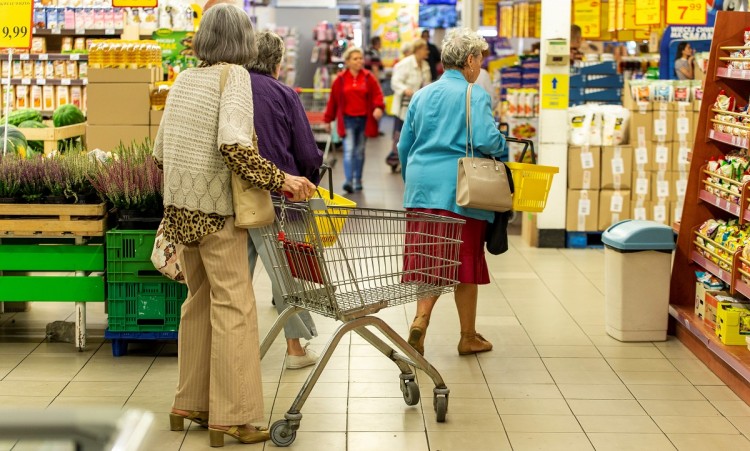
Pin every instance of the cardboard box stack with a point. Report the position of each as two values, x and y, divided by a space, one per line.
119 106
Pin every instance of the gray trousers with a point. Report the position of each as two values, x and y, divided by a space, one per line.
300 325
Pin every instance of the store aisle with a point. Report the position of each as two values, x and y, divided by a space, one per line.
554 381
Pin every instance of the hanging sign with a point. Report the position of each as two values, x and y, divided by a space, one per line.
686 12
647 12
134 3
587 14
15 23
489 13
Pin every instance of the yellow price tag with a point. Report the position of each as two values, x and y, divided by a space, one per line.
134 3
686 12
15 23
647 12
587 15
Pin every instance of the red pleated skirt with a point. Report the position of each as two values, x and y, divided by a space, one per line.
473 268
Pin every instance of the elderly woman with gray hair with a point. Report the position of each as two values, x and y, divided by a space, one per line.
286 139
206 134
433 138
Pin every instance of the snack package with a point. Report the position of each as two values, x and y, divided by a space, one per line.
579 125
615 121
724 102
663 91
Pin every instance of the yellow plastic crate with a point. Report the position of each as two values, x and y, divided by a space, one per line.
532 183
331 222
732 324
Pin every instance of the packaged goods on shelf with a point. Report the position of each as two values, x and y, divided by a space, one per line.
727 175
706 283
598 125
733 324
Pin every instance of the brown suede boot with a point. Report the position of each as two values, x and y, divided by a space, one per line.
473 343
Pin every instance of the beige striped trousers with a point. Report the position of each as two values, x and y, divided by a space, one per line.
219 350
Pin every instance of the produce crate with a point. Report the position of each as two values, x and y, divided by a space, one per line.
52 134
145 307
129 256
53 220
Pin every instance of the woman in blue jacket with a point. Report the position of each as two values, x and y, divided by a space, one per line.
432 140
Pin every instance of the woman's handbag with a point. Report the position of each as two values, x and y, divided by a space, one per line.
482 183
165 256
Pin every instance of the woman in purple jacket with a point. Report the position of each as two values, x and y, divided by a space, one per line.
285 138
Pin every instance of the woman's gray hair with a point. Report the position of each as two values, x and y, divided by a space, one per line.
348 52
458 45
270 53
225 36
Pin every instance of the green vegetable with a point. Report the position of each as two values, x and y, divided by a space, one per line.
36 146
67 115
16 141
18 116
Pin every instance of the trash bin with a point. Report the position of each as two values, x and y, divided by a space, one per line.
637 265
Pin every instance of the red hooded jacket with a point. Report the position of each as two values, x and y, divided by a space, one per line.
335 107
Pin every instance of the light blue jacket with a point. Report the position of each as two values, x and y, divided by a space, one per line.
434 138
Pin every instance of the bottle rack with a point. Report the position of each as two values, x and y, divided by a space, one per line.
730 363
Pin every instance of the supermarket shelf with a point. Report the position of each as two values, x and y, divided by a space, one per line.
711 267
719 202
48 81
743 288
727 138
50 57
93 32
736 357
734 74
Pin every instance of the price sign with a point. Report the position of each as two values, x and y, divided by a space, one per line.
686 12
15 23
587 14
647 12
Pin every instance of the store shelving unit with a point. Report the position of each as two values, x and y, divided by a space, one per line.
50 57
74 32
49 81
730 363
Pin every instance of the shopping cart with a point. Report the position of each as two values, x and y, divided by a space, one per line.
314 101
379 259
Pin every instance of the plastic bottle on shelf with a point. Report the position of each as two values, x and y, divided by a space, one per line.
95 54
118 54
131 55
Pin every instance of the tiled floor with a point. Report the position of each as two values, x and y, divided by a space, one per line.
555 380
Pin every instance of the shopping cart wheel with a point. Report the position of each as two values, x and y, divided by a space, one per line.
282 434
410 389
440 403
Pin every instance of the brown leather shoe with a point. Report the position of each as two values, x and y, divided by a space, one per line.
417 333
245 434
473 343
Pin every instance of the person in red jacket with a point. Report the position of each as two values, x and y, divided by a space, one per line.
356 103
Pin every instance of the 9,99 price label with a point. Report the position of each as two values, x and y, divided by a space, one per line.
686 12
15 23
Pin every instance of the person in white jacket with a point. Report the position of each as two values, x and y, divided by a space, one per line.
485 81
409 75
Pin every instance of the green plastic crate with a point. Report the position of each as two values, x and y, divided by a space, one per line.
145 307
129 257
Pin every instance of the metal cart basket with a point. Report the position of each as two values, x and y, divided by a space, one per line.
379 259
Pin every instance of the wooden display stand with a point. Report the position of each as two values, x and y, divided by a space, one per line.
51 135
730 363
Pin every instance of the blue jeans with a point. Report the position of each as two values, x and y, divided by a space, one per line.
354 147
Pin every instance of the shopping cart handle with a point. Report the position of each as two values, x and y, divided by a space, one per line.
526 144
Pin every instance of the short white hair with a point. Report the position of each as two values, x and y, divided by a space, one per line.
458 45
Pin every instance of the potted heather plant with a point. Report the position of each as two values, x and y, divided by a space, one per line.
10 179
31 176
78 189
54 179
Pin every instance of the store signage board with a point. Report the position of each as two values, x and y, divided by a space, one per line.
16 23
489 13
134 3
587 14
555 91
647 12
395 23
686 12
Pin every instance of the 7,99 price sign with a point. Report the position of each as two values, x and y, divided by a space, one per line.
15 23
685 12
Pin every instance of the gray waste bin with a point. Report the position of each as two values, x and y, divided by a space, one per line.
637 265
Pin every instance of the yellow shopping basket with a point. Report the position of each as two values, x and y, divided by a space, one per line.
329 222
532 182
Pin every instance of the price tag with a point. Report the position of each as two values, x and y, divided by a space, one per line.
43 57
662 188
660 127
681 187
641 155
109 31
25 81
587 160
615 204
65 81
587 15
647 12
729 72
641 186
686 12
743 73
584 207
55 31
660 213
15 24
717 201
75 57
683 126
618 166
662 154
639 213
682 155
41 81
80 30
25 56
